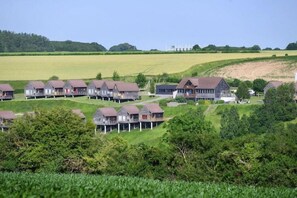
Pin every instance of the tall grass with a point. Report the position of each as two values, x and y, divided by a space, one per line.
70 185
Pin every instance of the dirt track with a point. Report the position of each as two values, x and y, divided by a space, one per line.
268 70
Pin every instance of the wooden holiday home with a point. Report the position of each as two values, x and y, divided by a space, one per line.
34 89
6 119
128 117
54 88
94 88
105 119
75 88
6 92
151 115
124 91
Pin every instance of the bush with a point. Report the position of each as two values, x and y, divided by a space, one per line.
163 103
180 99
191 102
204 102
219 102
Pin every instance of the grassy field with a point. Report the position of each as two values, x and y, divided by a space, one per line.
87 66
147 136
78 185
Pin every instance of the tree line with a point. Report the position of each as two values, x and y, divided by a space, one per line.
259 149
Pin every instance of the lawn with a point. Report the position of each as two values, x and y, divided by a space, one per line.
87 66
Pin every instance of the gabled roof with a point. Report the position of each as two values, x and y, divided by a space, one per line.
6 87
131 109
108 111
275 84
8 115
56 83
79 113
97 83
154 108
77 83
124 86
37 84
110 84
201 82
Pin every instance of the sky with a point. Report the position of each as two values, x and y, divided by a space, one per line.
156 24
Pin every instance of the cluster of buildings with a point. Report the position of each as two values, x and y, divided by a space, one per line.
115 90
108 119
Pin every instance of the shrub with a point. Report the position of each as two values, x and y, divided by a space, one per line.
180 99
204 102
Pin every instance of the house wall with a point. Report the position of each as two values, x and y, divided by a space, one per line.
222 86
30 91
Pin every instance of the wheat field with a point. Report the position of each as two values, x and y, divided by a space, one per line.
87 66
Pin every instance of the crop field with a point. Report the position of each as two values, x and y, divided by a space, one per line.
78 185
87 66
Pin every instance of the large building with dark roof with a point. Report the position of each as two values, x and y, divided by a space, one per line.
203 88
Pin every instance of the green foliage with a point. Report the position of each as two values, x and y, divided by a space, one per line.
259 85
54 78
234 83
49 141
141 80
22 42
122 47
187 132
292 46
204 102
99 76
278 106
248 83
152 86
231 124
196 47
180 99
78 185
72 46
115 76
242 91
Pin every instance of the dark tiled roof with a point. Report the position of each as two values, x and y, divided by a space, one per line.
6 87
56 83
79 113
77 83
37 84
110 84
154 108
108 111
201 82
275 84
97 83
131 109
123 86
8 115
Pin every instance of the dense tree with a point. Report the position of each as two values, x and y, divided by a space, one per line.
22 42
186 132
72 46
99 76
248 83
123 47
152 86
115 76
256 47
196 47
259 85
292 46
243 91
51 141
54 77
141 80
231 124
